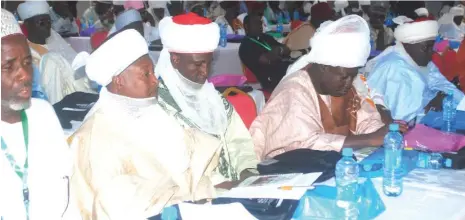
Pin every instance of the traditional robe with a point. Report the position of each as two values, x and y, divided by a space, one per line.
54 63
131 161
49 167
236 144
296 116
405 87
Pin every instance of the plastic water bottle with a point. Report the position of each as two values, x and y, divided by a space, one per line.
433 161
223 38
296 16
347 173
279 26
448 112
393 147
287 16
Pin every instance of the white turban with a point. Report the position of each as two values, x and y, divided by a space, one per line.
416 32
201 103
121 3
115 55
9 24
182 34
457 11
30 9
342 43
126 18
422 12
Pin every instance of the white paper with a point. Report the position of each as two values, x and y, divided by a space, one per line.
301 183
461 106
232 211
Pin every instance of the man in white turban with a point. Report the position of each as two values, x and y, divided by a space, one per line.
404 82
451 24
131 158
34 156
51 53
185 93
132 19
323 105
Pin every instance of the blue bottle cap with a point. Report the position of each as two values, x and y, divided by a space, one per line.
394 127
450 92
448 163
169 213
347 152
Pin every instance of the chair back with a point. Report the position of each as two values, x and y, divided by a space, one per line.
23 29
249 75
98 38
243 104
299 38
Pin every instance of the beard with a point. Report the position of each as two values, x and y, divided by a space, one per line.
17 105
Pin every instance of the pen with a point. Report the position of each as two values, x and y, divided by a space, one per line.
292 187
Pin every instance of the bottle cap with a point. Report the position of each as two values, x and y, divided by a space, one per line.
347 152
450 92
448 162
394 127
169 213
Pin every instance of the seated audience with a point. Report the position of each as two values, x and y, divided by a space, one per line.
62 19
276 9
451 24
139 5
51 53
118 7
320 106
35 162
381 35
144 160
185 94
403 80
234 26
255 8
132 19
262 54
105 15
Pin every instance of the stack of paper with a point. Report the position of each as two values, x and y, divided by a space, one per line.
271 186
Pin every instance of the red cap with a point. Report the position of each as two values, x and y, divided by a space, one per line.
190 19
321 11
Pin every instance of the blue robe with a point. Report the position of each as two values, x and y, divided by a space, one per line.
407 88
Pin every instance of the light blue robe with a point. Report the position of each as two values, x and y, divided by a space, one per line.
407 88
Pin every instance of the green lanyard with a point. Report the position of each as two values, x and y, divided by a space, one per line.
264 45
21 172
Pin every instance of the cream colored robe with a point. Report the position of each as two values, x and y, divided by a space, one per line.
56 74
291 119
126 167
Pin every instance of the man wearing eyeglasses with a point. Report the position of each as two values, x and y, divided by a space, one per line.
50 52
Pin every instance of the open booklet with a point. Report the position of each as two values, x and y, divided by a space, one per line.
281 186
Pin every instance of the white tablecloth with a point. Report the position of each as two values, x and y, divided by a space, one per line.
427 194
80 44
225 60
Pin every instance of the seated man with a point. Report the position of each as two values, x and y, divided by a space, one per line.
51 53
183 66
34 158
255 8
452 26
404 82
320 106
262 54
62 19
234 26
132 19
133 159
105 15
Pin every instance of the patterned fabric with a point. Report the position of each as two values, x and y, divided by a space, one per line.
169 105
236 144
293 118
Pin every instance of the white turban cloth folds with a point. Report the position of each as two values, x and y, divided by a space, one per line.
448 29
29 9
201 103
416 32
341 43
114 56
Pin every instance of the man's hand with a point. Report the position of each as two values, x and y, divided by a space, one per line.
436 103
378 136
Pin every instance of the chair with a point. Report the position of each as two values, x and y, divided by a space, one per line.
98 38
243 104
299 38
23 29
249 75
